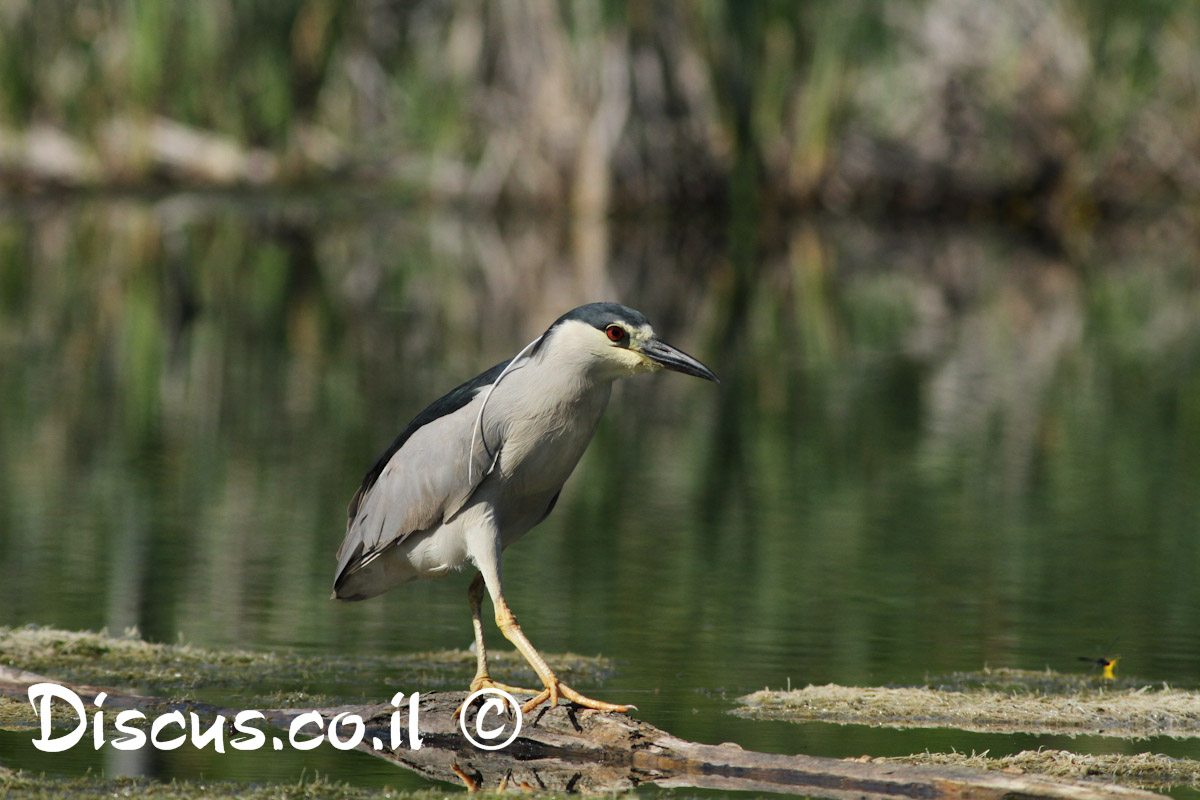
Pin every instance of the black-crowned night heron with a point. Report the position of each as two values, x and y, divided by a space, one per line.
474 471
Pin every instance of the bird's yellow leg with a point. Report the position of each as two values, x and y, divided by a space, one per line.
555 688
482 679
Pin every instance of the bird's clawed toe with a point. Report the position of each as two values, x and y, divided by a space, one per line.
549 695
487 683
558 689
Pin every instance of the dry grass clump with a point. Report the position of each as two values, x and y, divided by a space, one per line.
18 785
1143 770
260 679
1000 701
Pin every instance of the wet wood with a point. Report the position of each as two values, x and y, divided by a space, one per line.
580 750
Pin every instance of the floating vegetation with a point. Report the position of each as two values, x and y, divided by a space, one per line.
1045 681
1143 770
276 679
994 701
15 714
25 786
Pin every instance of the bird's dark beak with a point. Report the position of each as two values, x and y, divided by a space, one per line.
675 359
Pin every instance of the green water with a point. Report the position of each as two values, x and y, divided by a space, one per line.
933 449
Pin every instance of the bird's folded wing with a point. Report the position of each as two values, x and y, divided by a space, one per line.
424 482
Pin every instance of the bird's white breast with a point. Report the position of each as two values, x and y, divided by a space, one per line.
544 440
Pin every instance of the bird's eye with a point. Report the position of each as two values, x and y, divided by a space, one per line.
615 333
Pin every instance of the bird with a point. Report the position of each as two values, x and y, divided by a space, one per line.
482 465
1107 664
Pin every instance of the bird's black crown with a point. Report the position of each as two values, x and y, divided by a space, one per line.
601 315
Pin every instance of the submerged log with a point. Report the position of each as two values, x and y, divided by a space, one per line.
573 749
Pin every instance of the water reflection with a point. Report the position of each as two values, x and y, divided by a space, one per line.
931 450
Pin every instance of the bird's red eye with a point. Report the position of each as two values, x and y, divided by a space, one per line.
615 333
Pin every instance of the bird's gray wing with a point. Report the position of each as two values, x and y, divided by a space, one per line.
425 476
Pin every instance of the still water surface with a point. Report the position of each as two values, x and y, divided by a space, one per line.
932 450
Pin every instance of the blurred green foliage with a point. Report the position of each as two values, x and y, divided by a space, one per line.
1025 111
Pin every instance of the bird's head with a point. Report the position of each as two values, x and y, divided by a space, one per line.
612 341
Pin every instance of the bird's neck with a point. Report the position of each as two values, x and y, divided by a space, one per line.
566 390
